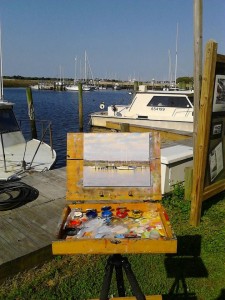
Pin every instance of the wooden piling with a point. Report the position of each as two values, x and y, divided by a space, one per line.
188 178
135 86
125 127
80 107
31 113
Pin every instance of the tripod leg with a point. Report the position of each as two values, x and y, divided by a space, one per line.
104 295
119 278
132 280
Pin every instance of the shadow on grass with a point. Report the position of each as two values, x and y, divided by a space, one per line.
187 263
222 295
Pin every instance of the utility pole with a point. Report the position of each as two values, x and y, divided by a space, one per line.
197 62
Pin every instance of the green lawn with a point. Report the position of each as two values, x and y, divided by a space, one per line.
197 271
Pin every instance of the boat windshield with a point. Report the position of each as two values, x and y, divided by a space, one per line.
169 101
8 121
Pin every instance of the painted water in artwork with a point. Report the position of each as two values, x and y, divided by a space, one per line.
117 160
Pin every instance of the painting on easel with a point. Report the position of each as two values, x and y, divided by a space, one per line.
117 160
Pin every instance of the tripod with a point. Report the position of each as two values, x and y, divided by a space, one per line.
119 262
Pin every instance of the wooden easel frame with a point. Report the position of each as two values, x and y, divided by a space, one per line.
199 191
76 191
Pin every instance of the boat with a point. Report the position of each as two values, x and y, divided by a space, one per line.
18 156
162 110
41 86
117 86
72 87
125 168
75 87
86 85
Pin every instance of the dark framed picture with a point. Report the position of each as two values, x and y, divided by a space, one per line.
216 130
216 161
219 94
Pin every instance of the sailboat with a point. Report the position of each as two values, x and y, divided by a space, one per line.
126 167
16 154
74 86
86 86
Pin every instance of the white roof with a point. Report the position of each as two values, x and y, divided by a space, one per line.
176 153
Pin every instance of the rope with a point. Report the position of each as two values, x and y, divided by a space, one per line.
15 194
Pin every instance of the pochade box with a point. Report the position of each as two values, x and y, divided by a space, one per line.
113 185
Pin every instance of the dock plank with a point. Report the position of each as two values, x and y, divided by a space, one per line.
13 240
31 228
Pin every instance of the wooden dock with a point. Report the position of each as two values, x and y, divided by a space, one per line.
26 232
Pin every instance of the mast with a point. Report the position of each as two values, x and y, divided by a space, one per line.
170 77
85 66
75 71
175 80
1 74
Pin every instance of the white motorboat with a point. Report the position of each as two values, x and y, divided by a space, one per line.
16 154
162 110
117 86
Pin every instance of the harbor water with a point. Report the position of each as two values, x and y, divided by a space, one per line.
61 108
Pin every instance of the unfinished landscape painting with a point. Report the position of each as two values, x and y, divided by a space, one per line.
120 159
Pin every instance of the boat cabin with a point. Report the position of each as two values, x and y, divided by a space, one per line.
168 106
9 127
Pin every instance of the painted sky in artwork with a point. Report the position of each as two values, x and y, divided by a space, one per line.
116 146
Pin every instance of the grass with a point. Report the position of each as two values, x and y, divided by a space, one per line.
197 271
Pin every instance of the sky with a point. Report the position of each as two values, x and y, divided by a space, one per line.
113 147
123 39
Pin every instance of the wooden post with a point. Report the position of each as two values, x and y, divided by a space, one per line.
135 86
197 66
31 113
80 107
188 178
204 123
197 59
125 127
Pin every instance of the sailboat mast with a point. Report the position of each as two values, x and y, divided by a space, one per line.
1 74
169 56
176 59
85 66
75 70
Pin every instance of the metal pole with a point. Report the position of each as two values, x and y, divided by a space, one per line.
80 107
3 152
197 62
50 136
31 113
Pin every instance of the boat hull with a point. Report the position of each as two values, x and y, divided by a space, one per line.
22 156
101 120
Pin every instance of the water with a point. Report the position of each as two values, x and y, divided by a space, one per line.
61 108
138 177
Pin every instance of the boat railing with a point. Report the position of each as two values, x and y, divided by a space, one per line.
43 129
115 109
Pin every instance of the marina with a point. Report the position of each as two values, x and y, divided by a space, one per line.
42 215
116 169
